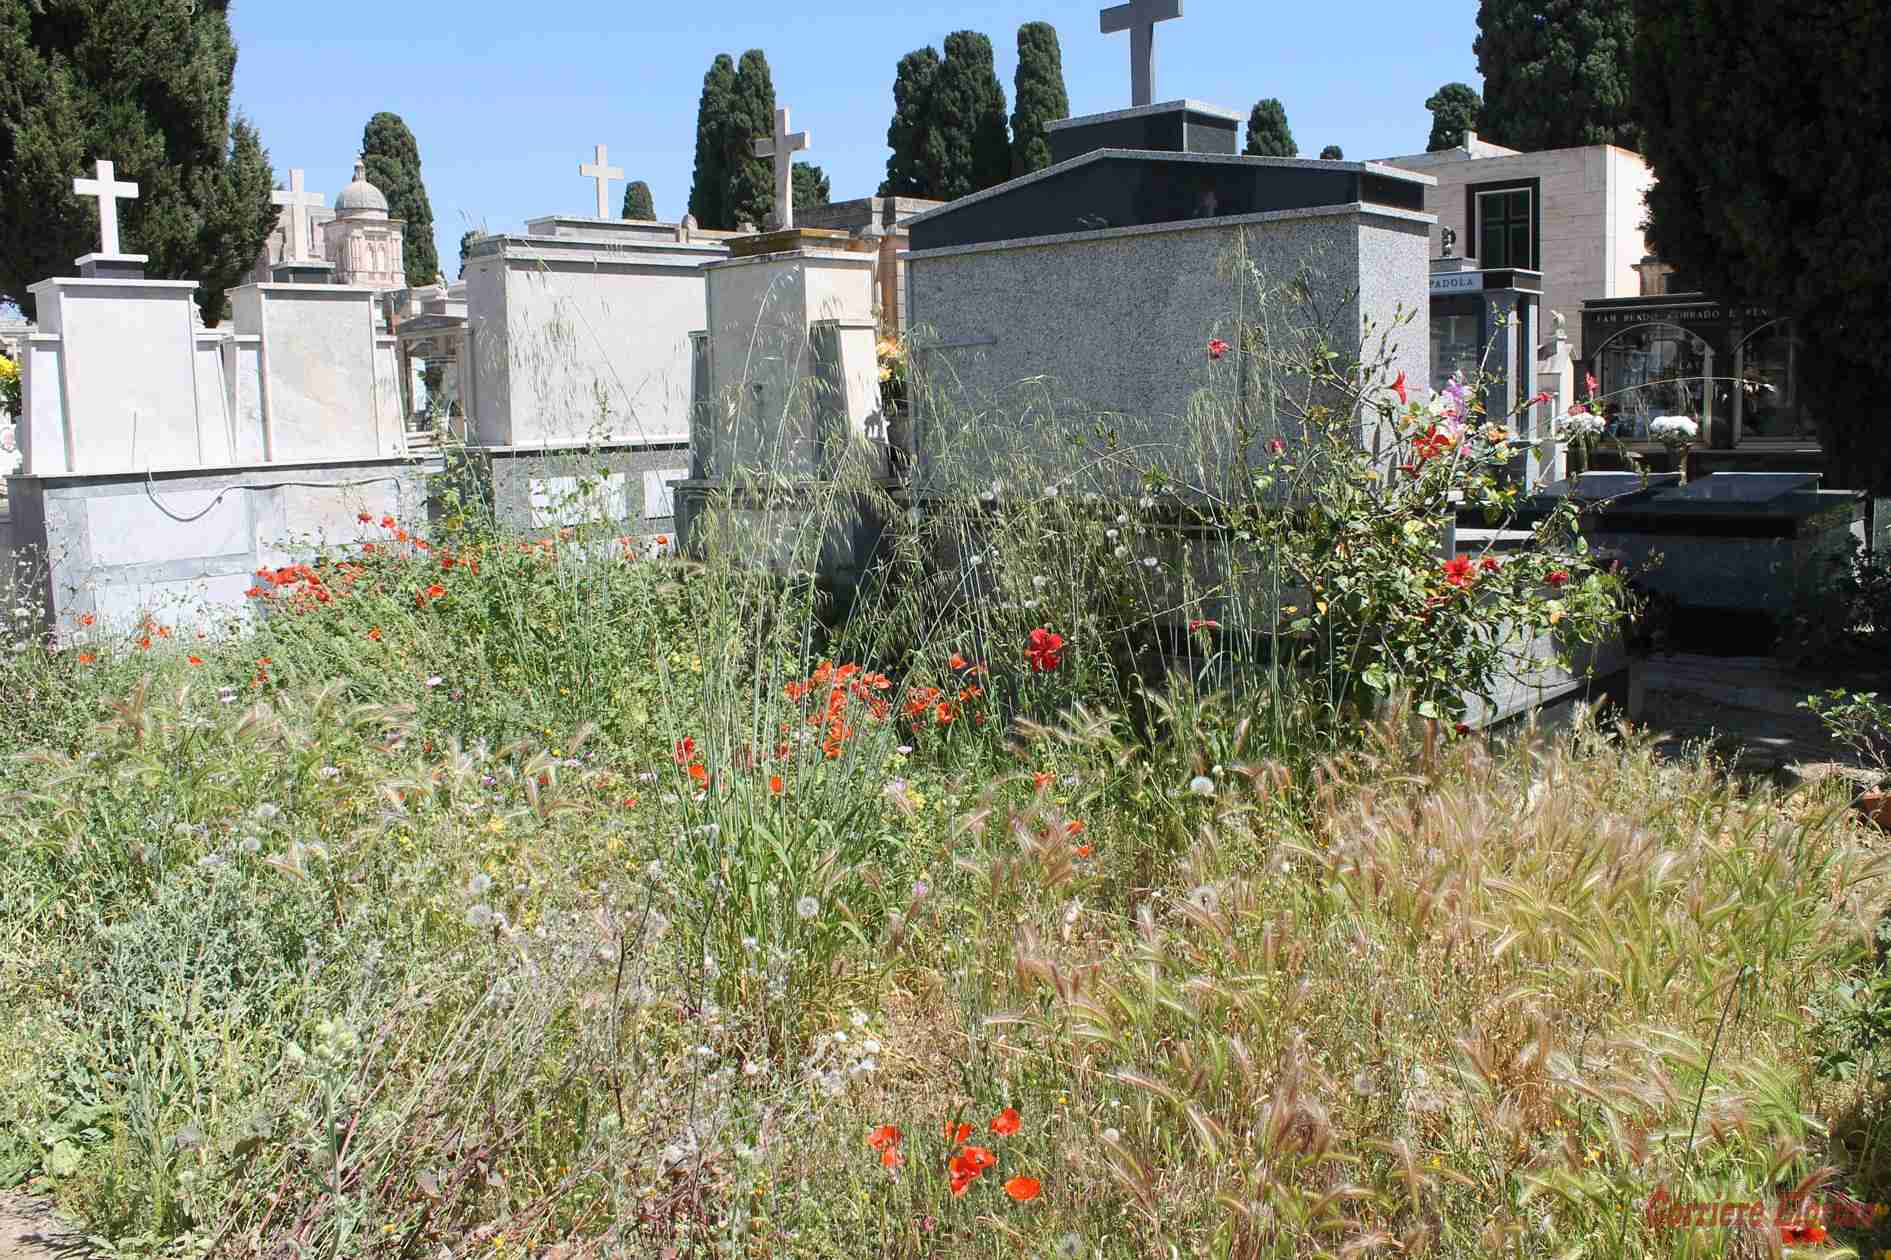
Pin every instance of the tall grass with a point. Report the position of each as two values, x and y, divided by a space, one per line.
503 895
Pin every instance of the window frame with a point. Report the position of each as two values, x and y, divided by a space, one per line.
1474 224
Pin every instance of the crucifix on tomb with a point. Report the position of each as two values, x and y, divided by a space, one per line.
1139 18
109 191
298 202
603 173
783 148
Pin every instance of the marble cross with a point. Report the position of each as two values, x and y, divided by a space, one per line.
109 192
783 148
603 174
299 203
1139 18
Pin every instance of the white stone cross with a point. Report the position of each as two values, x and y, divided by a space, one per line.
109 192
603 173
783 148
299 203
1139 18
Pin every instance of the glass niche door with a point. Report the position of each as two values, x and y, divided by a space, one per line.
1654 370
1457 339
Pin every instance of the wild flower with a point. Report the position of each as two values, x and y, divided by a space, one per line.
807 907
1217 348
1045 650
1459 571
1024 1189
1006 1122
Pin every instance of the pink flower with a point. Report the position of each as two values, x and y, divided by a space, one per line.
1398 387
1276 447
1557 578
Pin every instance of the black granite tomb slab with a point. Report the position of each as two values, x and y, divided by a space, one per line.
1118 189
1177 127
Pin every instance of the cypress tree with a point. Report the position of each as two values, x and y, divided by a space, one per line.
1041 97
392 156
466 241
1332 153
709 185
1268 133
1771 157
750 195
637 201
1556 72
1455 109
907 135
811 187
146 84
968 147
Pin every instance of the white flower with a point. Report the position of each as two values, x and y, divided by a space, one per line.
1582 426
860 1019
1070 1246
1202 785
250 844
478 885
1111 1135
267 811
807 907
1149 562
1673 430
479 917
330 772
1205 897
871 1045
435 681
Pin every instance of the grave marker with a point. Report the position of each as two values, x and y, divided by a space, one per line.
603 173
298 202
1139 18
783 148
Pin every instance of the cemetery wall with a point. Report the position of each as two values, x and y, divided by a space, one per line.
537 491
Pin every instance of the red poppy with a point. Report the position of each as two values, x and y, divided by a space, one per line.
387 522
364 517
685 750
1203 624
1557 577
375 634
1075 827
884 1138
1042 779
775 785
1398 387
955 1134
629 802
1217 348
698 773
1802 1233
1490 564
957 661
1024 1189
86 619
1007 1122
663 540
435 591
1542 396
891 1157
976 1158
1459 571
145 642
194 660
1276 447
88 658
961 1182
1045 650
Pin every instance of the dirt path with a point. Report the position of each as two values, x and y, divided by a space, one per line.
29 1230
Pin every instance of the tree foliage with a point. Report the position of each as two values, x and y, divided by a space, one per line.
1769 129
1268 133
909 134
709 183
968 146
1041 97
392 156
1556 72
1455 109
145 83
751 187
1332 153
811 187
638 204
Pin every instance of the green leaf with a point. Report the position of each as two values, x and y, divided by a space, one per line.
63 1159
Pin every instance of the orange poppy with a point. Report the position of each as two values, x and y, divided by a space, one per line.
775 784
1075 828
884 1138
1080 850
375 634
955 1134
1006 1122
364 518
962 1182
663 540
891 1157
957 661
387 522
194 660
1042 779
976 1159
435 591
699 774
88 658
86 619
1024 1189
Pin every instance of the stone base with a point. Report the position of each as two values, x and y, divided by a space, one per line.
183 546
786 239
112 266
809 527
537 490
308 271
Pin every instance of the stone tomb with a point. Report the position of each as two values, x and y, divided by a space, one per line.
329 387
1090 290
578 331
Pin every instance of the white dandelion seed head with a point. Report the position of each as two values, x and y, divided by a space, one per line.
480 917
478 884
1112 1135
1202 785
807 907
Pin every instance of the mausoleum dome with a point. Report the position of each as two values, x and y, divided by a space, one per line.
360 197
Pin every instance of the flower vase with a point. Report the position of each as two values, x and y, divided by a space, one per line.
1578 458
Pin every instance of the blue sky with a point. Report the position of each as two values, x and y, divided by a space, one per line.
507 98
